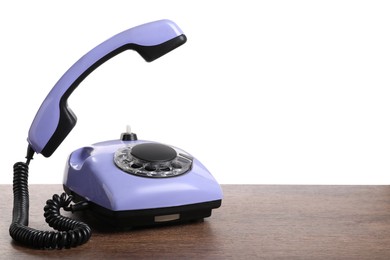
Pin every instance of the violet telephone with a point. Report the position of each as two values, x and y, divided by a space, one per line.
125 182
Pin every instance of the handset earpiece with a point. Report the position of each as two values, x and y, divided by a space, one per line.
54 119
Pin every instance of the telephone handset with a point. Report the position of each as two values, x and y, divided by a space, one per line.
124 182
55 119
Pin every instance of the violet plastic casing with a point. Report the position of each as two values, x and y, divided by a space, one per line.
91 174
54 119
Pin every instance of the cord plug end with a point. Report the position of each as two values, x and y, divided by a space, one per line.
82 205
30 154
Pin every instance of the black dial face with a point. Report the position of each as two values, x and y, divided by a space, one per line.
152 160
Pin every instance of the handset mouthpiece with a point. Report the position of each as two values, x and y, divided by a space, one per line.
54 119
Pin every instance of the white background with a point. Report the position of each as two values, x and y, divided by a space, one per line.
280 92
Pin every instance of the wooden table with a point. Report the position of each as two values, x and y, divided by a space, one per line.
254 222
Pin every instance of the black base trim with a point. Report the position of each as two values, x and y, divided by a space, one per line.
146 217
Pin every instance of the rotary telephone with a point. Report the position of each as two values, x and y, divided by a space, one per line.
125 182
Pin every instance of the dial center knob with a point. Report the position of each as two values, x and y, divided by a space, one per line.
153 152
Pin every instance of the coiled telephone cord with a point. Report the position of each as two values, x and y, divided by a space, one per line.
71 233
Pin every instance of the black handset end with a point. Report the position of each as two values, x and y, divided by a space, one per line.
150 53
66 123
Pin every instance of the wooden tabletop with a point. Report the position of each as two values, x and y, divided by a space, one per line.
254 222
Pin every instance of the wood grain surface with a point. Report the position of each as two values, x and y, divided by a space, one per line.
254 222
